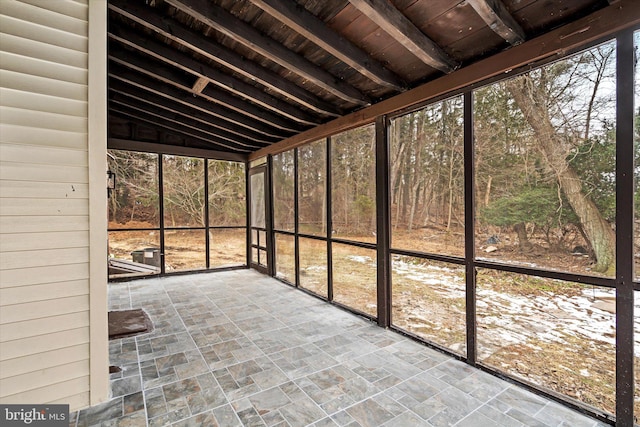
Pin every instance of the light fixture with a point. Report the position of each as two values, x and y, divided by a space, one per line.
111 182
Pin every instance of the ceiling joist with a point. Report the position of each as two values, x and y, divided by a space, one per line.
173 94
177 122
135 97
398 26
238 30
143 15
313 29
216 77
139 117
235 111
498 18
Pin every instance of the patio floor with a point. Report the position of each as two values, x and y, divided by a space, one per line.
241 349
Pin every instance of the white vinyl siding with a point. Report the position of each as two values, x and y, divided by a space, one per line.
45 203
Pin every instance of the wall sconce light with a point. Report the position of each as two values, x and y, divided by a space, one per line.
111 182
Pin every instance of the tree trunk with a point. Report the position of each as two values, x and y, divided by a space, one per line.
531 99
523 240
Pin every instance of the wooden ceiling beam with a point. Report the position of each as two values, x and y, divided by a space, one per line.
398 26
239 112
138 117
497 17
218 117
137 97
176 121
176 150
225 81
554 44
146 17
238 30
309 26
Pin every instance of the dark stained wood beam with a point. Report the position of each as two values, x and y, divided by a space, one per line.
225 81
398 26
592 28
117 87
218 117
119 93
146 17
306 24
138 117
177 120
498 18
153 147
238 111
227 24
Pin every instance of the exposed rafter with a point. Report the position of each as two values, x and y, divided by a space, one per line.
136 97
145 16
498 18
145 119
306 24
175 122
224 22
398 26
171 93
178 120
240 113
216 77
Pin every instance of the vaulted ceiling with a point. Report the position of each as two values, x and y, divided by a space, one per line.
235 76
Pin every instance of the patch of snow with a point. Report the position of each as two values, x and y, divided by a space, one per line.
360 258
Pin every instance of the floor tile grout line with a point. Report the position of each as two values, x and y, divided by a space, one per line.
333 366
408 355
201 355
144 399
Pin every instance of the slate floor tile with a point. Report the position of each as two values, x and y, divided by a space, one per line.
238 349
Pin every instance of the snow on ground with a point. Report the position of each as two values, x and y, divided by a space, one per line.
505 319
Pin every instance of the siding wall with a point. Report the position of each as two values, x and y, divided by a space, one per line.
45 202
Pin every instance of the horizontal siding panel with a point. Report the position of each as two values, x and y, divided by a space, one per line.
44 394
34 241
42 51
25 117
37 224
26 259
43 155
37 67
47 18
51 190
43 309
75 402
34 362
42 275
54 375
42 137
42 292
51 207
46 325
75 8
42 85
45 343
43 103
43 173
31 30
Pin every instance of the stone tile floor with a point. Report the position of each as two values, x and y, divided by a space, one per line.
241 349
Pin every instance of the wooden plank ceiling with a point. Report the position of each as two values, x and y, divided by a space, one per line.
235 76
